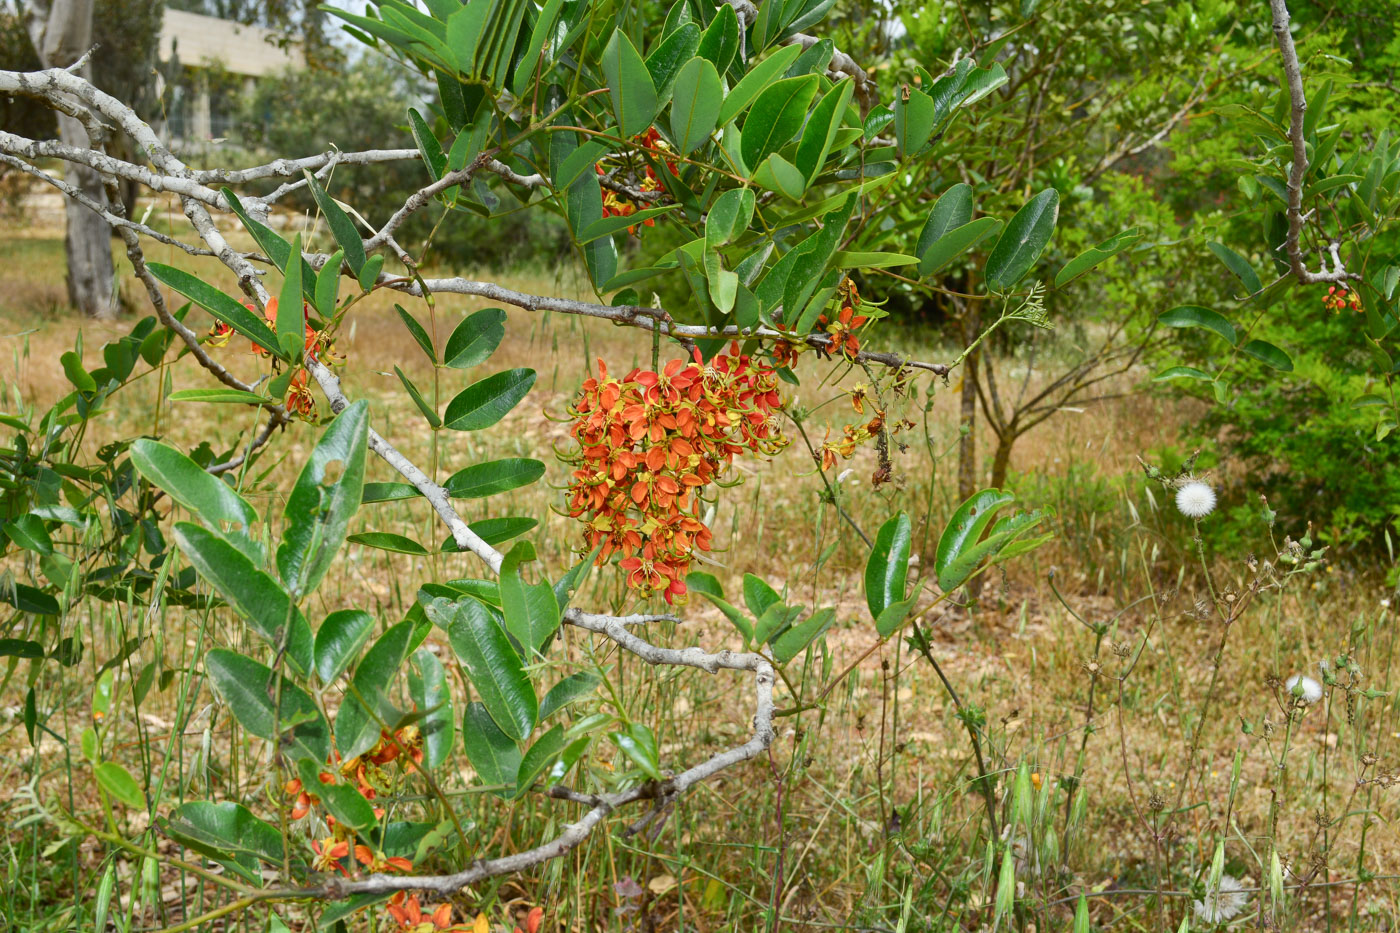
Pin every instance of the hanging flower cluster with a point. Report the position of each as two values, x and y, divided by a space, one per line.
319 344
1339 296
842 329
649 442
617 204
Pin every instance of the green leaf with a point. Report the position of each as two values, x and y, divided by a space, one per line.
495 476
777 115
962 549
484 403
639 745
428 146
567 691
219 396
357 725
953 209
697 96
319 508
530 609
1023 240
21 648
214 502
475 339
752 84
1268 354
1238 265
328 286
1196 316
667 58
607 226
28 599
887 567
218 304
956 242
892 616
1096 254
822 128
720 42
28 532
339 639
1187 372
795 640
342 227
914 119
493 754
758 595
539 757
118 782
697 581
388 541
420 336
225 830
630 87
73 368
492 664
247 688
843 260
253 594
291 315
539 45
418 400
432 694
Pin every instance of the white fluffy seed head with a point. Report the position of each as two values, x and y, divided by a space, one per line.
1303 689
1195 499
1223 904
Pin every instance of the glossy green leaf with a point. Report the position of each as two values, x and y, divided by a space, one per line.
493 754
953 209
639 745
339 639
530 609
697 96
484 403
253 594
419 402
219 396
28 532
218 304
608 226
415 330
475 339
1184 372
73 369
887 567
1195 316
215 503
328 286
914 119
630 86
428 146
966 527
1023 240
342 227
493 477
492 664
1096 254
540 755
291 315
432 695
567 691
666 59
247 688
342 800
388 541
795 640
225 830
367 701
823 125
720 41
892 616
956 242
759 78
776 116
1239 266
1268 354
325 496
845 260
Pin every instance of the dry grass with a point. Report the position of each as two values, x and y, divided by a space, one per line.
889 741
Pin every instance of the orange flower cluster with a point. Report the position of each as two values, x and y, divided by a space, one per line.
406 911
619 205
318 344
371 778
1339 296
853 436
842 330
649 442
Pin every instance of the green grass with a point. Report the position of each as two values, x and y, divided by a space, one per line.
867 814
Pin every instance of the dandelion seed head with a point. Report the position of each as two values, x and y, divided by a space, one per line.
1221 904
1195 499
1304 689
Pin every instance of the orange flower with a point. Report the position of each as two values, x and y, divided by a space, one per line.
377 861
329 853
411 918
220 334
532 921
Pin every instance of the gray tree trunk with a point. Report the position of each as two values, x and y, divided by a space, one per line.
62 32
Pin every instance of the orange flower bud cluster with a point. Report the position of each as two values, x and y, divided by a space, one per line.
649 442
1339 296
842 329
